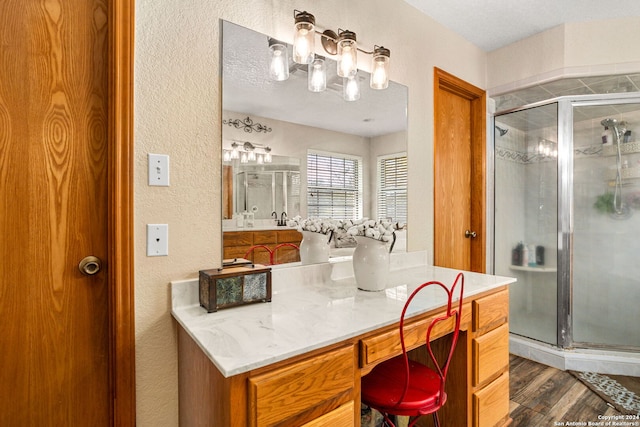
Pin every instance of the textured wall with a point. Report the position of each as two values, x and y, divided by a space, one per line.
571 50
177 112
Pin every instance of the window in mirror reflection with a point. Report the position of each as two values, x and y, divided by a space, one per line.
334 185
392 187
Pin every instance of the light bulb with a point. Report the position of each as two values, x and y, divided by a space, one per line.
347 54
351 89
380 68
317 80
279 65
304 38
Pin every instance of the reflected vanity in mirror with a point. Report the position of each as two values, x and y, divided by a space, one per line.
289 150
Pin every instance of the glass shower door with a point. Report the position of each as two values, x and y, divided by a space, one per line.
606 224
526 219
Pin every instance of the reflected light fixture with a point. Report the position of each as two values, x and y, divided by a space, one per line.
317 76
246 152
304 38
343 44
547 148
279 63
351 88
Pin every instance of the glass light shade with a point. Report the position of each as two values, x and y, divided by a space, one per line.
279 65
380 69
317 75
304 38
267 157
252 156
260 159
234 152
351 89
244 158
347 54
226 157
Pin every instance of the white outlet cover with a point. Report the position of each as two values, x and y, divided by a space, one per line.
159 170
157 239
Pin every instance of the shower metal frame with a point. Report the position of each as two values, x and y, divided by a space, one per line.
566 105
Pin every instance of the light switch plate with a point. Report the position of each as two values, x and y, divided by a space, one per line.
159 170
157 239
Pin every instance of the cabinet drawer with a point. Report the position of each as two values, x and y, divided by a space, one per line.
237 238
491 404
289 236
490 312
235 252
285 392
342 416
386 345
490 354
265 237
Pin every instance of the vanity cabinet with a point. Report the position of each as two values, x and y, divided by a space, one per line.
317 389
237 243
321 388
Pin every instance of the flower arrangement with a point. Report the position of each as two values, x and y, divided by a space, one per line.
316 225
379 230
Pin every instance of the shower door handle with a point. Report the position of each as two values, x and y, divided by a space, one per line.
470 234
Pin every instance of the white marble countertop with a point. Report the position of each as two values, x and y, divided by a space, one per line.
312 306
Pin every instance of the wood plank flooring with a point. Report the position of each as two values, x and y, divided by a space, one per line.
542 396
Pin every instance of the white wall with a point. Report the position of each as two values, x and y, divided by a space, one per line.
177 112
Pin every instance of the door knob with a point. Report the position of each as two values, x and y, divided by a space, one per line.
90 265
470 234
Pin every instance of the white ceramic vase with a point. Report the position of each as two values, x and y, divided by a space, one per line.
371 264
314 248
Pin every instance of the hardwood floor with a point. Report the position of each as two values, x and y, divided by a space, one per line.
543 396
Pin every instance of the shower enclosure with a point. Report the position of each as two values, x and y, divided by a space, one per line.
567 219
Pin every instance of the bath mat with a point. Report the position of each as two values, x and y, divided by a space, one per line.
621 392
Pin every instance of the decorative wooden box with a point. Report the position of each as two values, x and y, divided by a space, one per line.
229 287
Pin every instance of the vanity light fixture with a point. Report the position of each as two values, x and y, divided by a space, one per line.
380 68
347 54
279 63
245 151
343 44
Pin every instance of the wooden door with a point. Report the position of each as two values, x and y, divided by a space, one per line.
459 168
63 332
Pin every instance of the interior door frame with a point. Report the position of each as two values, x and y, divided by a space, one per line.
443 81
120 212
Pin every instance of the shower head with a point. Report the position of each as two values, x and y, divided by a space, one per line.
502 131
609 123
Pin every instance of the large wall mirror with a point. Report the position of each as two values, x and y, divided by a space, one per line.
292 143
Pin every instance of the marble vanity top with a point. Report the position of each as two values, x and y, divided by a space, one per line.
312 306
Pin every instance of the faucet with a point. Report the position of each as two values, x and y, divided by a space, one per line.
283 219
274 214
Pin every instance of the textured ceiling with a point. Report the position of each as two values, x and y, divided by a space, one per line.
491 24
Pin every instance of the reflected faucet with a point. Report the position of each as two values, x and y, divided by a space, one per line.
283 219
274 214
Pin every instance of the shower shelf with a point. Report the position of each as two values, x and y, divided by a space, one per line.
534 269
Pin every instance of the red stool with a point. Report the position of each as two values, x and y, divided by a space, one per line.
402 387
